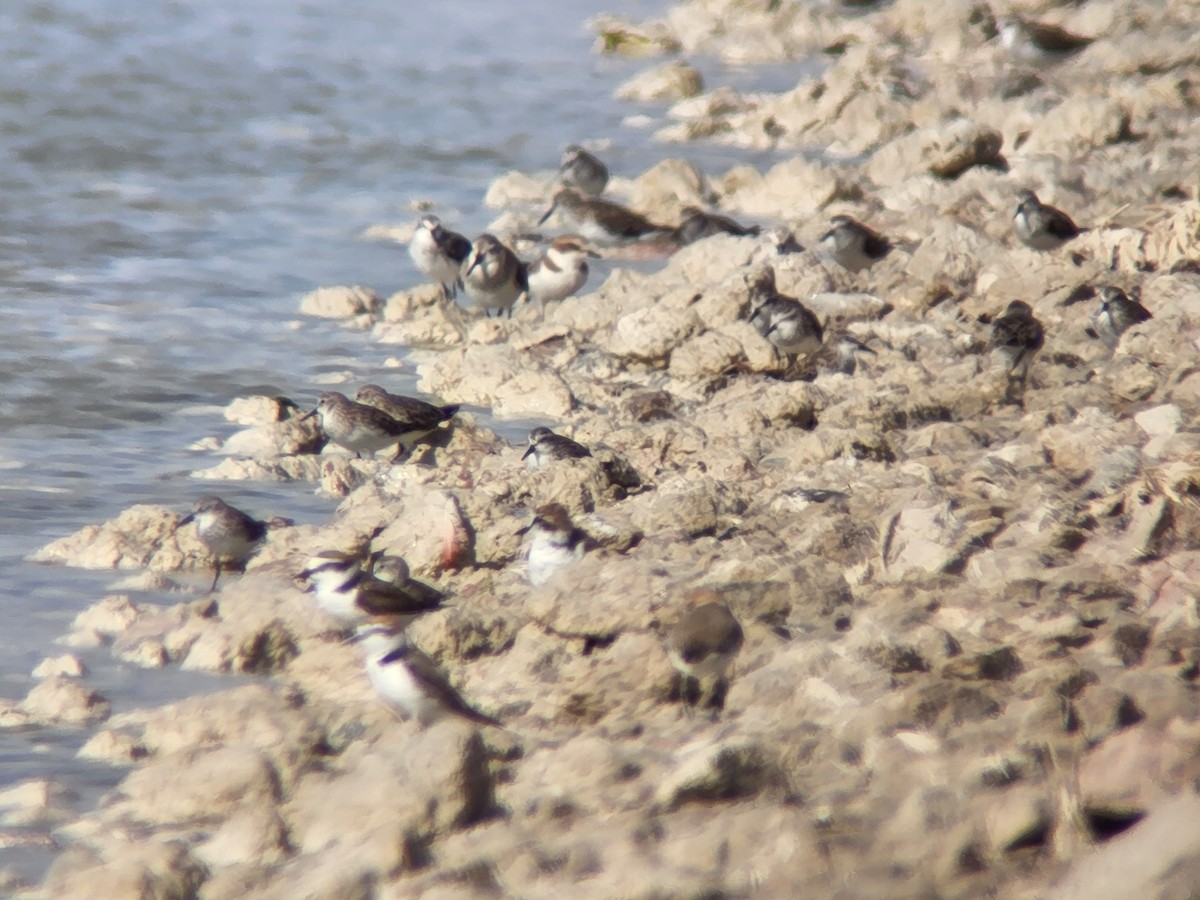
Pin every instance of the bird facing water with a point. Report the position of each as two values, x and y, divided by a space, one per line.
231 535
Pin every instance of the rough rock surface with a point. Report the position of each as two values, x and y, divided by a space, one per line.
972 640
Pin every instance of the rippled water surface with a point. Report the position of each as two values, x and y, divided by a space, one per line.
173 176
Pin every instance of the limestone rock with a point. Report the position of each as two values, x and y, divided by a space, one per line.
706 356
650 334
139 869
961 145
924 538
670 81
205 784
32 802
664 188
498 376
65 701
797 185
288 437
340 302
614 35
439 782
517 188
68 666
722 771
135 539
252 834
1155 858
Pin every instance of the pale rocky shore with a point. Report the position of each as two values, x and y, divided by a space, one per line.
972 658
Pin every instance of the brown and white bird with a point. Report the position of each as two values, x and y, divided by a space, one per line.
356 426
546 447
409 680
420 419
559 272
1117 314
1018 335
702 646
493 275
582 171
853 245
231 535
600 221
698 224
554 542
1041 226
784 321
439 253
1038 42
351 590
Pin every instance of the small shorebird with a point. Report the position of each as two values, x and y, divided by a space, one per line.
420 419
1037 41
554 542
1040 226
231 535
600 220
409 680
559 272
439 253
780 241
493 276
784 321
545 447
702 646
1117 314
697 224
1018 335
345 588
853 245
847 350
356 426
582 171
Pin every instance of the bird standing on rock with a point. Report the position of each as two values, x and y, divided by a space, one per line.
697 224
493 275
1117 314
784 321
348 591
545 447
1018 335
582 171
601 221
1041 226
853 245
409 680
439 253
420 419
846 352
356 426
231 535
702 645
554 542
559 272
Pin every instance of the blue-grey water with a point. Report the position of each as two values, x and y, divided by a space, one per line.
173 177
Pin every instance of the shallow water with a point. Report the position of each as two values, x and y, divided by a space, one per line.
174 176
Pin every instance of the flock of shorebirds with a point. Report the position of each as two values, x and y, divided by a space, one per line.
374 595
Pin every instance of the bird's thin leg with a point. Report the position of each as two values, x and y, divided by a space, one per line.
688 709
216 575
